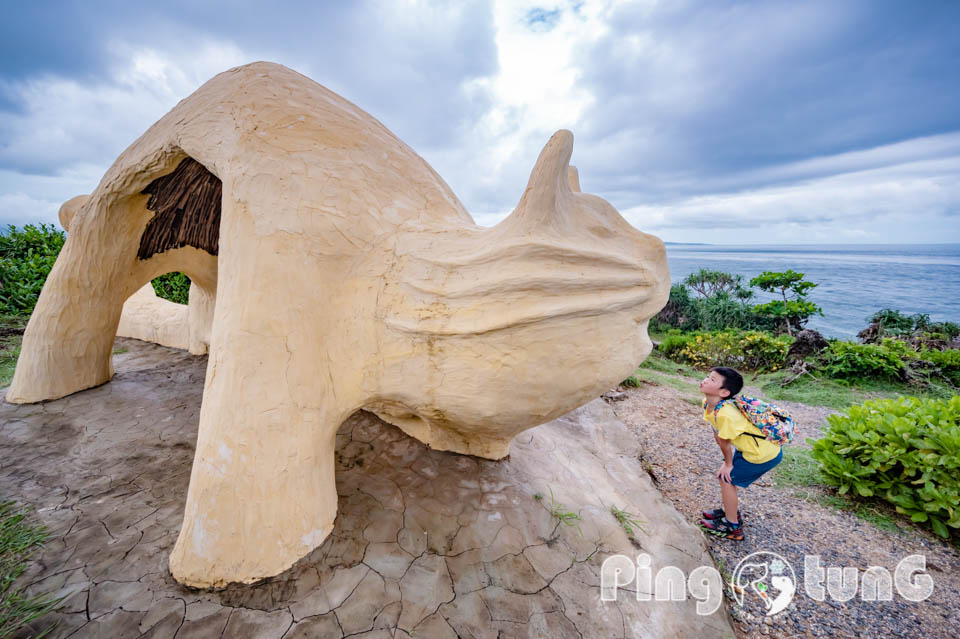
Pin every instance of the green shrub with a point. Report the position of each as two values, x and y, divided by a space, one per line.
721 305
917 329
745 350
904 450
676 313
849 361
897 347
892 322
946 361
173 286
26 257
791 312
673 343
725 311
708 283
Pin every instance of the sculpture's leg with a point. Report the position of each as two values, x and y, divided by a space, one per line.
200 317
262 491
68 343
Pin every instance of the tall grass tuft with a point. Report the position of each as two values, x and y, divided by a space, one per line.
19 539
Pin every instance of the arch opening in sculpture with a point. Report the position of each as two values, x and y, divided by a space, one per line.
186 204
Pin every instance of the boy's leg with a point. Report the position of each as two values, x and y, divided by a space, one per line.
730 501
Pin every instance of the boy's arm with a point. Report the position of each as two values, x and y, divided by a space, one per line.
727 449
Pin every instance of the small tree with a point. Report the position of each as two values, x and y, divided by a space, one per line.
793 311
708 283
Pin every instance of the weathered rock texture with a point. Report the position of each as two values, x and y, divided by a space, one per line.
427 542
347 276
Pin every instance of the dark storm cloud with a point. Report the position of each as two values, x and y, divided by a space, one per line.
689 96
407 65
843 116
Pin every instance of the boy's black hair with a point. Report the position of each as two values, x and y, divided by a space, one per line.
732 380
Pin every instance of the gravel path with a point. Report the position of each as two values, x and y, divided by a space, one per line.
682 457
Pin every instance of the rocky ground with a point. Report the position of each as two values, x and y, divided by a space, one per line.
426 543
682 457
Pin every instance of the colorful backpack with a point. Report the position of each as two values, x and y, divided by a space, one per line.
775 423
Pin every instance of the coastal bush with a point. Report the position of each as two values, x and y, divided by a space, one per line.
719 304
673 343
746 350
676 312
173 286
724 311
946 361
848 361
793 311
708 283
915 329
904 450
26 257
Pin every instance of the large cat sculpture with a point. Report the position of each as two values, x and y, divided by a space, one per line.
338 272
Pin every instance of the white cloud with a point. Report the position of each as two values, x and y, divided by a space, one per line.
36 199
701 123
536 91
909 201
64 122
19 209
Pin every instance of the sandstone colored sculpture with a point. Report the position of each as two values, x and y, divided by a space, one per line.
150 318
345 275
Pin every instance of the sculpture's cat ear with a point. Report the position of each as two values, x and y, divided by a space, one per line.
69 210
548 190
574 178
550 172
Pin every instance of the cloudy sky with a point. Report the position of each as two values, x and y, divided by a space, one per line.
722 122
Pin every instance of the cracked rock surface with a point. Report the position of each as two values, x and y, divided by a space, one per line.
426 543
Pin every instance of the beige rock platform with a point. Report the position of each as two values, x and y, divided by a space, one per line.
338 272
427 544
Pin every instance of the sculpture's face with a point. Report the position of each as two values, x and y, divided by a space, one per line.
544 311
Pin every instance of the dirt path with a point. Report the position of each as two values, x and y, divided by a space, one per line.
680 454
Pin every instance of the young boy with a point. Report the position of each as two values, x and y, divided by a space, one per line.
754 456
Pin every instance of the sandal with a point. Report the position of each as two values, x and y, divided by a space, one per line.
722 528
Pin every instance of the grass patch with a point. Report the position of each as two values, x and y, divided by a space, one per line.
19 539
800 471
798 468
876 514
873 514
558 510
684 385
837 395
8 364
628 521
11 335
660 364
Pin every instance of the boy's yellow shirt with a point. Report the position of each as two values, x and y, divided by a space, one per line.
730 424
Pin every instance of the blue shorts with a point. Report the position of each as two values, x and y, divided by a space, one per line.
745 473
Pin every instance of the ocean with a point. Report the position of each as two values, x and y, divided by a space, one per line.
853 281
